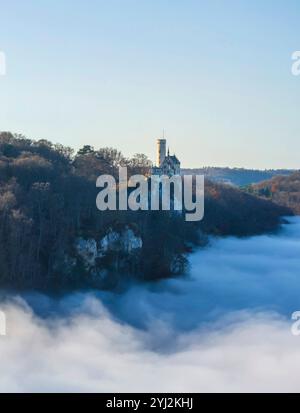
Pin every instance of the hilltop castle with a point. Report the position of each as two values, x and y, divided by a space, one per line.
166 164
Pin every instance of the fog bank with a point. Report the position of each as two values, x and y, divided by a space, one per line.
225 327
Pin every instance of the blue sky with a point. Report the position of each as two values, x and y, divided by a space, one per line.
215 74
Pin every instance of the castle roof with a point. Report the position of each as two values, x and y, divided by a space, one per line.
174 158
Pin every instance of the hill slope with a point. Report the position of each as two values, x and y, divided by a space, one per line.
53 236
282 190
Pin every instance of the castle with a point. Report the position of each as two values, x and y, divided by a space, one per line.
166 164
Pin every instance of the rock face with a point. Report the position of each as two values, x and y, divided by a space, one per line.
126 241
102 259
87 250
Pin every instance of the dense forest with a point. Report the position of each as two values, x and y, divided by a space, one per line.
52 236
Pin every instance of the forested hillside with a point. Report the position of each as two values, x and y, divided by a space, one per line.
283 190
53 236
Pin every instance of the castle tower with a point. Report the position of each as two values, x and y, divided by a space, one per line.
161 151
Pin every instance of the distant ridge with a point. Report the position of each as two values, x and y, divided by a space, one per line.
237 176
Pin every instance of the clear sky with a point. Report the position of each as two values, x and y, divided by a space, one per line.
215 74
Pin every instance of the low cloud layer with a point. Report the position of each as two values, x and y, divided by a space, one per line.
225 327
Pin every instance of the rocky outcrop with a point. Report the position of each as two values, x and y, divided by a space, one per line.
103 258
125 241
87 251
